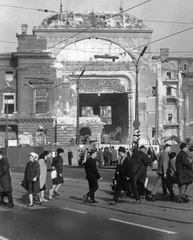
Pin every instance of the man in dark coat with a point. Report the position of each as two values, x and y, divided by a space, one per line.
142 161
184 173
70 156
92 176
5 181
123 170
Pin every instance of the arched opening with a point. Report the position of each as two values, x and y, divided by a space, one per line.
85 134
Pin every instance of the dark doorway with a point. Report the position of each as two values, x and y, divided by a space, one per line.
116 107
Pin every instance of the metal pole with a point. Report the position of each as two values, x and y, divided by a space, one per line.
6 129
77 115
78 109
43 120
184 112
136 95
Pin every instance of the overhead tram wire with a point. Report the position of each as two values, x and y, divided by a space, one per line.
33 9
173 22
160 39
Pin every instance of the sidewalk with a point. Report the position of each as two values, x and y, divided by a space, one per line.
161 209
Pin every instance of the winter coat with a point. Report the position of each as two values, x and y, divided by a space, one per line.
163 162
49 184
184 170
140 168
43 172
5 177
124 171
32 170
91 169
57 162
114 155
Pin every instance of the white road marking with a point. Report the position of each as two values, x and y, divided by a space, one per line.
143 226
73 210
2 238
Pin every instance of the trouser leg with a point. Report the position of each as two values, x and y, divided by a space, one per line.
118 190
157 184
134 190
169 185
10 198
140 188
188 188
182 190
164 185
93 186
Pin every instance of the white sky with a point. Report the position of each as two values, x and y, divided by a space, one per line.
158 10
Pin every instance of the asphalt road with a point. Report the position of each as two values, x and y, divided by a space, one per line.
69 217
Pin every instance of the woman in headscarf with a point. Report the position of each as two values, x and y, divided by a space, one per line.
57 163
31 177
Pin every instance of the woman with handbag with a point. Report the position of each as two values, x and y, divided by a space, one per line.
31 177
184 173
57 163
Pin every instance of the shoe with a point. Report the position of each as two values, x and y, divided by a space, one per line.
86 198
185 199
30 205
151 198
44 200
173 198
180 200
112 202
10 205
137 202
93 201
56 194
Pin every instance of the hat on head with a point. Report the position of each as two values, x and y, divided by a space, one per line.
60 150
34 155
142 146
121 149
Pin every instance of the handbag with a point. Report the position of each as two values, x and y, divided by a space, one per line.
24 185
53 174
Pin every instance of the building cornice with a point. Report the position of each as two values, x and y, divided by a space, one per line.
5 57
32 55
62 30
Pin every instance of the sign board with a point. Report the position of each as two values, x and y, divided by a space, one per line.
136 124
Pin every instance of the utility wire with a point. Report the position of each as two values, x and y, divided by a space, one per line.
173 22
34 9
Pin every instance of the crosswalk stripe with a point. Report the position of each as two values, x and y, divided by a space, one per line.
143 226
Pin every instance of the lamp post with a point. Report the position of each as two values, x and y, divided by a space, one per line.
184 108
78 109
6 128
136 62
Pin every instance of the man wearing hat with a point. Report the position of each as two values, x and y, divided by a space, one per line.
5 181
92 176
123 171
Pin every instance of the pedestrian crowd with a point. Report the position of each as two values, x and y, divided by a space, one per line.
42 173
45 173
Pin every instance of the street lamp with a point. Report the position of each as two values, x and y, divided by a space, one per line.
184 107
78 109
136 62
